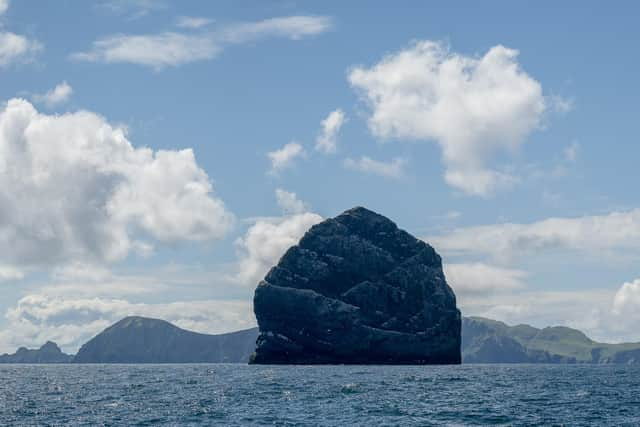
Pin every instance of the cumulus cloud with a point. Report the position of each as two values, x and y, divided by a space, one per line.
56 96
480 278
192 22
326 141
392 169
289 202
75 189
171 49
71 321
285 156
627 299
472 107
269 238
616 231
15 48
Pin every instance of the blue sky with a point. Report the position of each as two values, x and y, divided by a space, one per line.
504 134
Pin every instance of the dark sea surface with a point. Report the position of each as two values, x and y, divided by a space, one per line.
231 395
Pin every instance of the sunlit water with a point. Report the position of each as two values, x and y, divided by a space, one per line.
318 395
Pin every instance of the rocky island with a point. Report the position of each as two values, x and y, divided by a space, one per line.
357 290
490 341
137 339
48 353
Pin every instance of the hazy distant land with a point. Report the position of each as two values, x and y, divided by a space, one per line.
144 340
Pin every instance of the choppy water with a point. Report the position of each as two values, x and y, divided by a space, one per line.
318 395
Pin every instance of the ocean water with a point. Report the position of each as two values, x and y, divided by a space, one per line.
231 395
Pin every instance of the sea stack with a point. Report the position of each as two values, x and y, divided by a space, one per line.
357 290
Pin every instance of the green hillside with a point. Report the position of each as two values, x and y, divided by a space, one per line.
490 341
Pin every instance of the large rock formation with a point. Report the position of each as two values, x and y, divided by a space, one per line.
48 353
143 340
357 290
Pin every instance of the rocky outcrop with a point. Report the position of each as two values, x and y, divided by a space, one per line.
357 290
144 340
48 353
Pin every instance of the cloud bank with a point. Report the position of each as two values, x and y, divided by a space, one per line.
480 278
617 232
71 321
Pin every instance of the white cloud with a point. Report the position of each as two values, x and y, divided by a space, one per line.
71 321
9 273
268 239
15 48
472 107
192 22
561 105
56 96
571 152
157 51
627 299
451 215
74 189
289 202
392 169
133 9
616 231
479 278
170 49
326 141
81 271
292 27
284 157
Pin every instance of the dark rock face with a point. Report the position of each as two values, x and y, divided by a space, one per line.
357 290
143 340
48 353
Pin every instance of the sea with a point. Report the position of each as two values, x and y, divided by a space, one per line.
244 395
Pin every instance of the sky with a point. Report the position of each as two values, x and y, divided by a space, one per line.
158 157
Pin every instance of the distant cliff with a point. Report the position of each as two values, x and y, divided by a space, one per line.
144 340
357 289
490 341
48 353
